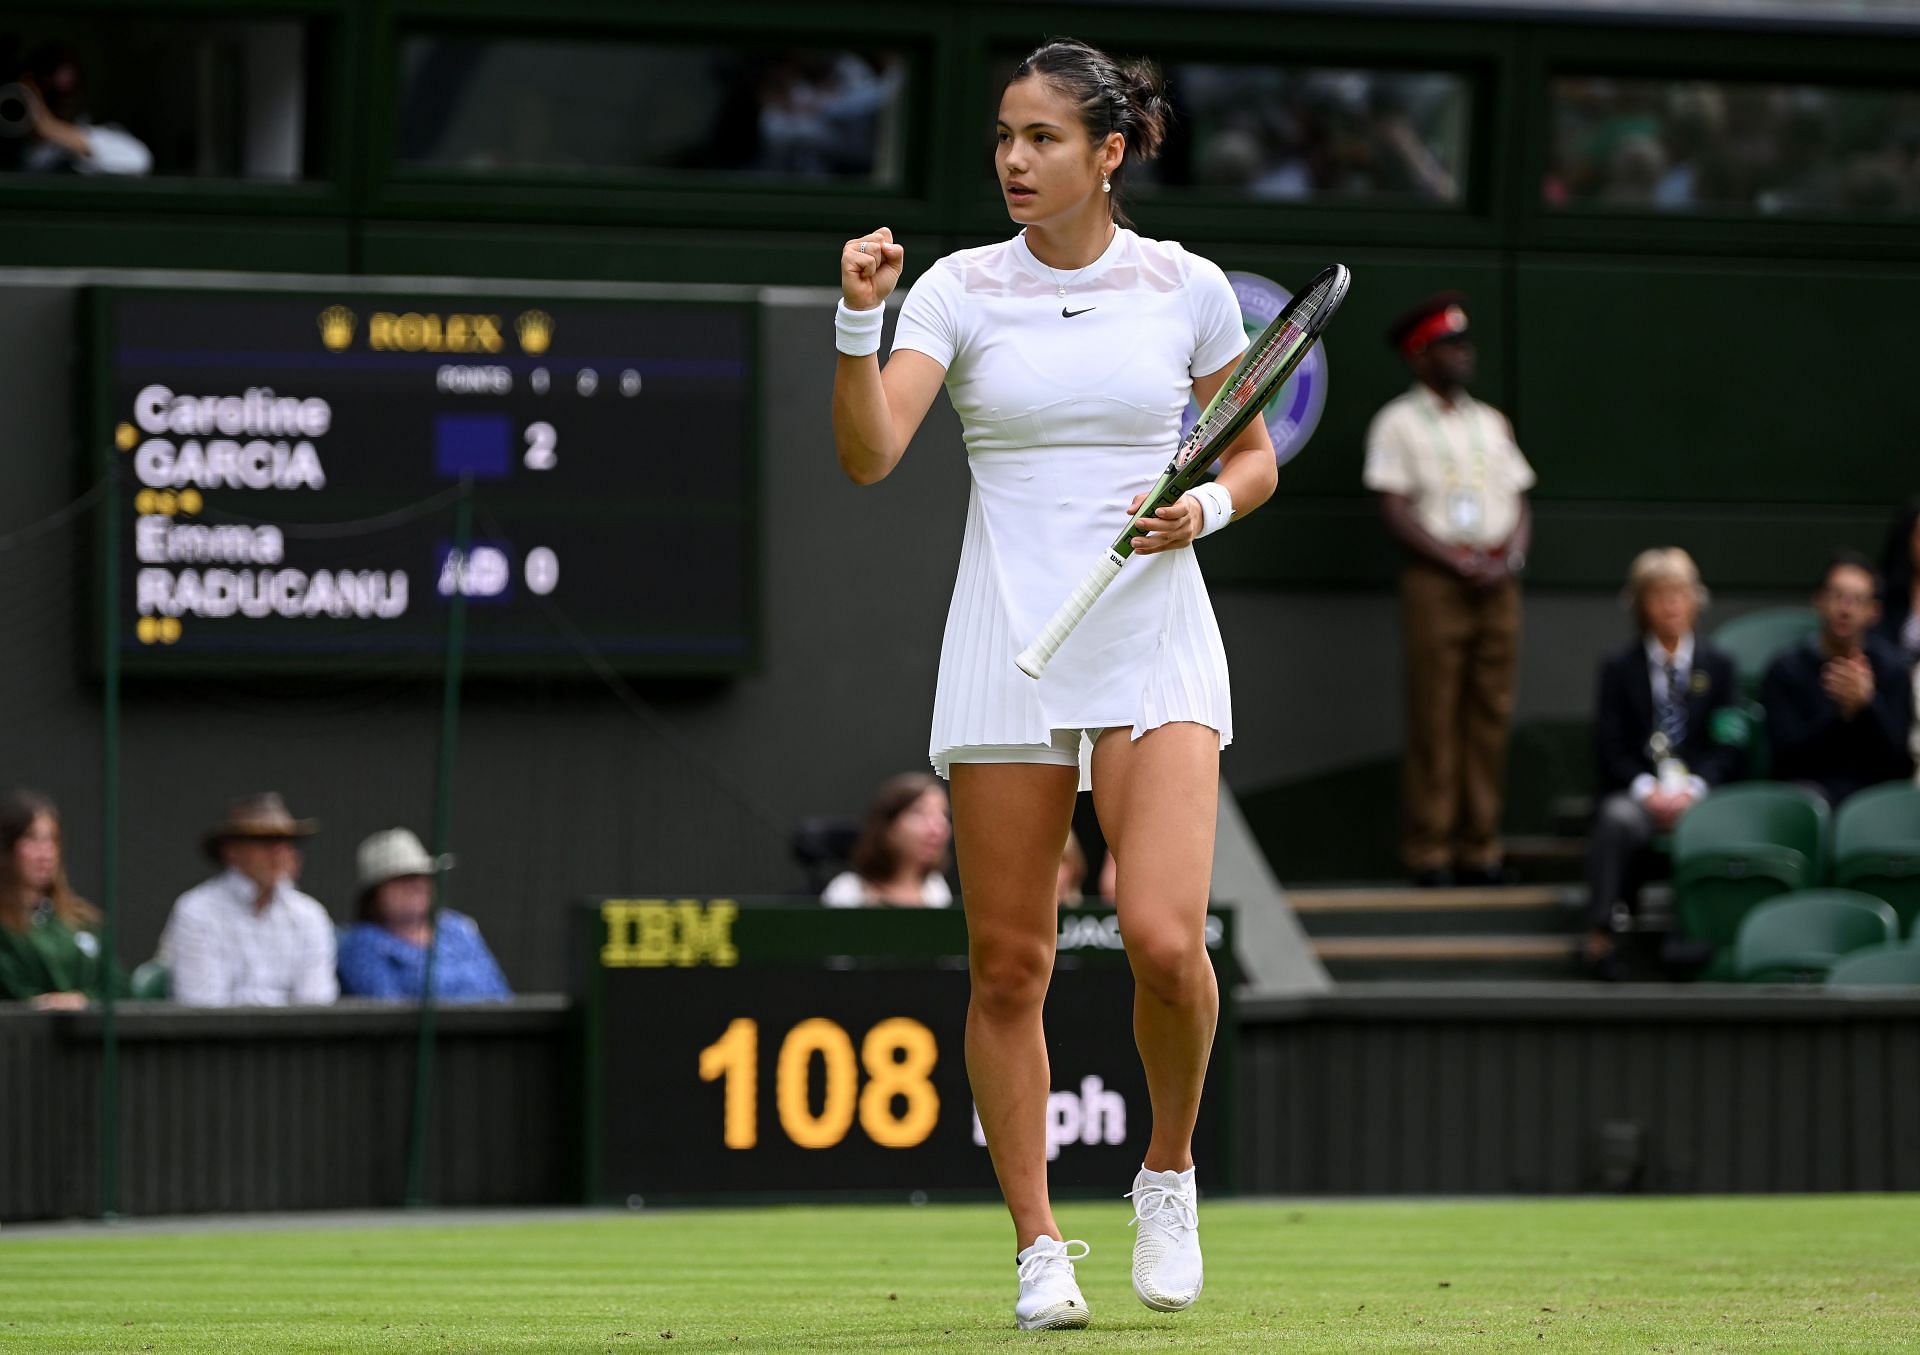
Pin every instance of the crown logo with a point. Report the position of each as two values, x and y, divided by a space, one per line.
535 329
336 328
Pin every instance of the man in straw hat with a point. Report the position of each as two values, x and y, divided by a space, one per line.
1453 488
247 937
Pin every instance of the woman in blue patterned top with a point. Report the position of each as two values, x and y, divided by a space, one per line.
385 953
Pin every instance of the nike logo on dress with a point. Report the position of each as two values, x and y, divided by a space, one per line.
1070 314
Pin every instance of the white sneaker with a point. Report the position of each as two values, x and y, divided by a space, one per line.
1166 1247
1049 1295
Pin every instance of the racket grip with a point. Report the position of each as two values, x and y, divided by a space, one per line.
1035 657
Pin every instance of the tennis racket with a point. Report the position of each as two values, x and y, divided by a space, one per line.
1269 361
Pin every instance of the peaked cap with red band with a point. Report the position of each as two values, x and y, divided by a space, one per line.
1442 316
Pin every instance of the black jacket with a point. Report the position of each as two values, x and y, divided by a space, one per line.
1624 718
1810 740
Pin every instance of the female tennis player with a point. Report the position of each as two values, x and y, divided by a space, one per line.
1070 352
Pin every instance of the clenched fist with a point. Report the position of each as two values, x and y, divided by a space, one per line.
869 268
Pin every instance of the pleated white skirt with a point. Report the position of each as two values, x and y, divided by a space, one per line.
1147 654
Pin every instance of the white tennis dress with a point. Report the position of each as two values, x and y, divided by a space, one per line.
1067 416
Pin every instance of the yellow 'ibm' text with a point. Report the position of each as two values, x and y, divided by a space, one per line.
657 933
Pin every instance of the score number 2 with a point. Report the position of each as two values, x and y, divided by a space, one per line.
898 1055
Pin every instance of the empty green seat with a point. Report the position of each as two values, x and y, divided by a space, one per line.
1752 640
1892 963
1876 847
152 982
1740 847
1797 938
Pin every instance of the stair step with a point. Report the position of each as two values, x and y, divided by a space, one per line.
1392 899
1545 848
1448 957
1445 947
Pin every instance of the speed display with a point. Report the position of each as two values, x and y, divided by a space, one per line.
282 473
774 1048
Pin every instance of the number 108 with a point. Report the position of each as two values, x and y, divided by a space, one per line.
898 1056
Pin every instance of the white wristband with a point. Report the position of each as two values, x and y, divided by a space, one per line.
1216 505
857 333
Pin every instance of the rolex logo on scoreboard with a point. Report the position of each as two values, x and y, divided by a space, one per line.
535 329
336 328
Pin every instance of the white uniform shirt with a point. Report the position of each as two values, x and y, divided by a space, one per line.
1457 463
1071 406
225 954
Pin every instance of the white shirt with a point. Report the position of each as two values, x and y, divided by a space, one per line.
1070 406
1644 785
1457 463
849 889
111 150
225 954
1657 661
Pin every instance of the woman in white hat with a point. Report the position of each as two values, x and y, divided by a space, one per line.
384 954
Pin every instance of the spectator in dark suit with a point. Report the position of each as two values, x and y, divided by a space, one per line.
1662 740
1899 623
1840 706
1900 604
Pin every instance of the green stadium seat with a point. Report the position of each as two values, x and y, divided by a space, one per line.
1738 848
1797 938
1892 963
152 982
1876 848
1752 640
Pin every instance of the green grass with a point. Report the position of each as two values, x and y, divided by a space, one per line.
1754 1274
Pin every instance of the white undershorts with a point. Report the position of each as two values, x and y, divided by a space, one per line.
1067 748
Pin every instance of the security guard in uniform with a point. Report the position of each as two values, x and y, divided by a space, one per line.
1452 486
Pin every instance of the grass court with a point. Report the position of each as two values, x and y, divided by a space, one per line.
1788 1274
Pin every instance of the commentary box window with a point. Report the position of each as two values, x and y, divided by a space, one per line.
551 107
1733 148
141 95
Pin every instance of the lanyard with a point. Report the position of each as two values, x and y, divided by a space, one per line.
1449 463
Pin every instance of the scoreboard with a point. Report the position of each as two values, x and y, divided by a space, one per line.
741 1048
282 471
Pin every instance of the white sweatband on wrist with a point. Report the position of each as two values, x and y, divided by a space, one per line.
857 333
1216 505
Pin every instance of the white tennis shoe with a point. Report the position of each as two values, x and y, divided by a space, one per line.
1166 1244
1049 1295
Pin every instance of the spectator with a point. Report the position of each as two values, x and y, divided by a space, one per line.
52 106
384 954
902 850
247 937
1658 736
1899 623
1900 611
50 954
1071 882
1452 486
1840 707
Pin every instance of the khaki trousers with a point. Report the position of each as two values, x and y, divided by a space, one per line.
1463 645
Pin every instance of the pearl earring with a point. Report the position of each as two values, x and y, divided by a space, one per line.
1106 184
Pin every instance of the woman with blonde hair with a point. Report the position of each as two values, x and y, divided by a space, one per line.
50 952
1660 741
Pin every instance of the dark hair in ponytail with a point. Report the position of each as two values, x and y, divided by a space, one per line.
1110 96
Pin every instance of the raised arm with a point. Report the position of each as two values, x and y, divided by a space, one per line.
876 411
